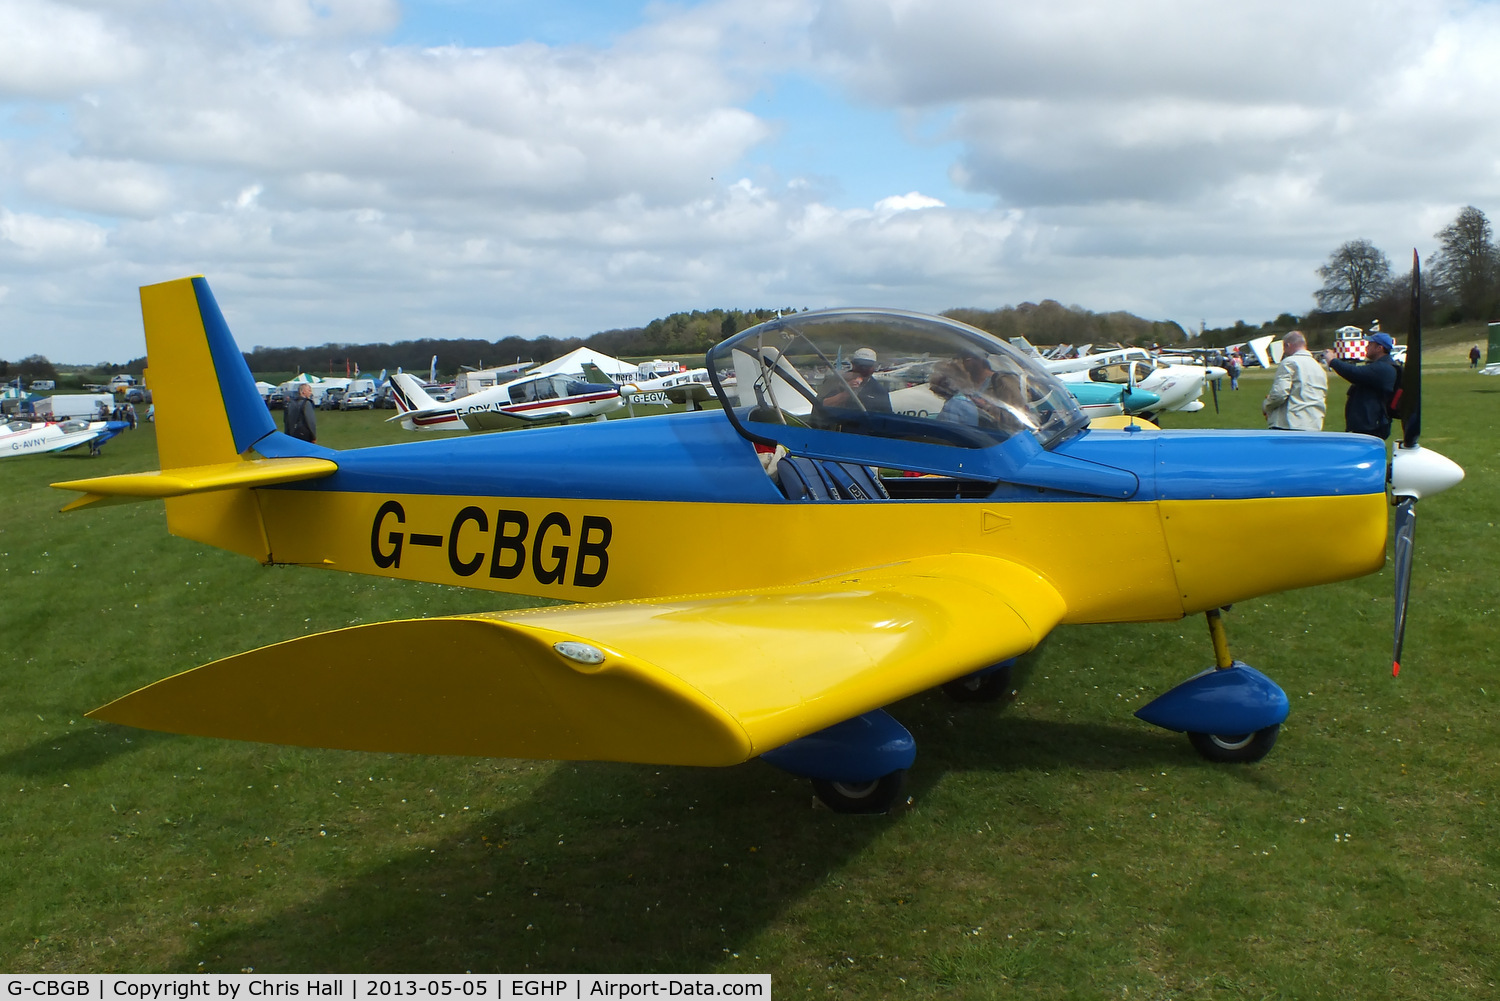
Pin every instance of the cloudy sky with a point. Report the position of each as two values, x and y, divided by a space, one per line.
352 170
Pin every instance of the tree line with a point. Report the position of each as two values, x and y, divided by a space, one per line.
685 333
1460 283
693 333
1050 322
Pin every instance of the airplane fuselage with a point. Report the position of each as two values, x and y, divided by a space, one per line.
520 513
27 438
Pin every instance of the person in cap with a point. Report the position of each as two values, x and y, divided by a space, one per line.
860 381
1299 390
1367 409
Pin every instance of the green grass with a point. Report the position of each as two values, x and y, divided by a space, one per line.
1058 848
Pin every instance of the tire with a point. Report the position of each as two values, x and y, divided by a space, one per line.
877 796
1239 748
984 687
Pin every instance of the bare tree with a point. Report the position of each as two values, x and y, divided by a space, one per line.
1355 273
1465 266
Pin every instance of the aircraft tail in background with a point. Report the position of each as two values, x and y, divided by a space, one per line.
594 375
418 411
214 437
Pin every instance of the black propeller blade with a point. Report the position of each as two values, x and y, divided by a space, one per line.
1214 385
1411 426
1406 524
1411 380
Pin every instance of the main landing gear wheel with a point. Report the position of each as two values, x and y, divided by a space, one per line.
1239 748
985 687
875 796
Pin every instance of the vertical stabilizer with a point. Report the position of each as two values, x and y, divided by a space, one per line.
207 407
208 411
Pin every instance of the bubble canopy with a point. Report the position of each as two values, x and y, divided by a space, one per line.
899 377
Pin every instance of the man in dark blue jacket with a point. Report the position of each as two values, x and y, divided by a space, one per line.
1370 386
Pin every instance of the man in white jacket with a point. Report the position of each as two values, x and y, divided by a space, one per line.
1299 391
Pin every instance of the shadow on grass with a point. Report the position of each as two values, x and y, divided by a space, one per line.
608 868
604 868
77 751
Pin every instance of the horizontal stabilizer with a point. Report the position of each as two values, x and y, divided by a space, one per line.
704 680
195 480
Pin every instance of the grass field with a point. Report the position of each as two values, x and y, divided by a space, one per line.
1055 848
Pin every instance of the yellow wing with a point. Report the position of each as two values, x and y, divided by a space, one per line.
704 680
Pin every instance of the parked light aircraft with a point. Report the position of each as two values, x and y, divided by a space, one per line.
910 386
1094 399
690 386
527 401
1179 387
849 589
28 438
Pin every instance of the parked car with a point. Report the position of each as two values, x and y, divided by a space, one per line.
275 400
331 399
138 394
361 400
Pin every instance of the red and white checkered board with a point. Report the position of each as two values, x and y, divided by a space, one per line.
1350 348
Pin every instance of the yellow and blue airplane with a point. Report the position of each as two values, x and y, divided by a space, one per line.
870 555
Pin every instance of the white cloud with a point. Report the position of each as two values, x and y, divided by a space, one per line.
32 238
55 50
1091 101
1173 158
319 18
443 125
908 202
107 187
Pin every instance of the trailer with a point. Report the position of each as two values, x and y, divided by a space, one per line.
73 405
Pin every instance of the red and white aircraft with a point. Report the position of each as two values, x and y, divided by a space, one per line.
528 401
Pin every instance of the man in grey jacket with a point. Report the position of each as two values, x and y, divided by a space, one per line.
1299 390
300 421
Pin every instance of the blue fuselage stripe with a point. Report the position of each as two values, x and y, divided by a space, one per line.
699 457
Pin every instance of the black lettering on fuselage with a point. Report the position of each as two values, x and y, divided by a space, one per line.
386 560
466 568
559 568
596 550
511 550
512 542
